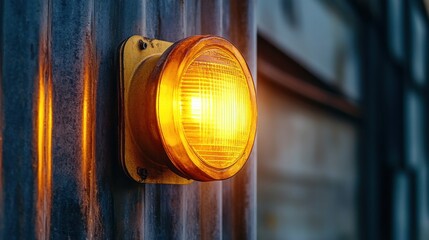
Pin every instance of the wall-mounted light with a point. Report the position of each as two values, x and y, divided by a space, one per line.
187 110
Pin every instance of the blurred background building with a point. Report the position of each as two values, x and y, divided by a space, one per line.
343 101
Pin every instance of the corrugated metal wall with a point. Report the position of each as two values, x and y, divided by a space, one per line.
60 176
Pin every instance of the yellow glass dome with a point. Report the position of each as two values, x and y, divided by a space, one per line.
215 108
206 108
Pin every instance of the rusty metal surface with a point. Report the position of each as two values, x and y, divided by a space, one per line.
60 176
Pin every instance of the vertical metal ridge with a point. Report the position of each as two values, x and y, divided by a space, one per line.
2 222
88 186
88 170
104 35
20 37
75 213
143 17
44 128
211 210
240 191
193 17
139 216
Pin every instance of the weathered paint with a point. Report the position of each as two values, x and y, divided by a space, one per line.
60 176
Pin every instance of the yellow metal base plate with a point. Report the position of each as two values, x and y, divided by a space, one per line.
133 52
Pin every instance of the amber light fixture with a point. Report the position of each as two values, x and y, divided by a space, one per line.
187 110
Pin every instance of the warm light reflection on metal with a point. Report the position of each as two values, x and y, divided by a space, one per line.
44 146
88 169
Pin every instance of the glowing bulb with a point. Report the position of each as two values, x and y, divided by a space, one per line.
206 108
215 108
196 108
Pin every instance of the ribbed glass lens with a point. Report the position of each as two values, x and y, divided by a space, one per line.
215 108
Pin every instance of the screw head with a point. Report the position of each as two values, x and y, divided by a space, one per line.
142 172
142 45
